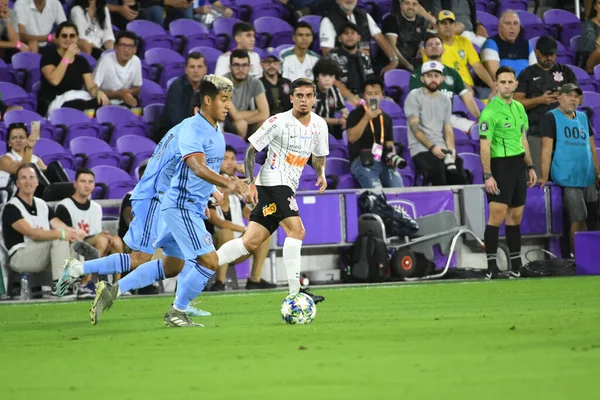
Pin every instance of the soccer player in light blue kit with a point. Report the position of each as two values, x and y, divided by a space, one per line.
146 199
182 233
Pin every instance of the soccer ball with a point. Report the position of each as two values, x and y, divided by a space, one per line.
298 309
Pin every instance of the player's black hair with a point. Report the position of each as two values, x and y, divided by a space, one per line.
373 80
231 149
303 24
326 66
210 86
242 27
301 82
505 70
84 171
238 53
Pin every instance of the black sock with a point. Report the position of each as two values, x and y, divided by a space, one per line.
490 239
513 240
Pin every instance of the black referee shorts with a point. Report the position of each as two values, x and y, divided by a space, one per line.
511 176
275 203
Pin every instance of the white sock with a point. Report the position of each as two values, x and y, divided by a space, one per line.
231 251
292 261
77 270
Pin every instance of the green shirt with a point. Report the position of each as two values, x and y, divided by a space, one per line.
504 125
452 85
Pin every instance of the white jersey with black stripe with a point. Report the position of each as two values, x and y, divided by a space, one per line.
290 146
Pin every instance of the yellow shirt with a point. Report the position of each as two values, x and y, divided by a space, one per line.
459 56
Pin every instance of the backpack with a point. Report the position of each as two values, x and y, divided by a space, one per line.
366 260
396 221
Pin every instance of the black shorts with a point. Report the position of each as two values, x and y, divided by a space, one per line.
275 203
511 176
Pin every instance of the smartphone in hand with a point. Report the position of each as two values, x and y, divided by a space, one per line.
35 130
373 104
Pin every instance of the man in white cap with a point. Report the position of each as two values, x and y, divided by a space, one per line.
430 138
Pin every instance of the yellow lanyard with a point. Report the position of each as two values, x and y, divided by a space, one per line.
380 125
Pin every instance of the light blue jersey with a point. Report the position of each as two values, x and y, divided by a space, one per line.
187 191
160 168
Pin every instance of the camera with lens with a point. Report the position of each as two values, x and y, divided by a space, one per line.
449 160
393 159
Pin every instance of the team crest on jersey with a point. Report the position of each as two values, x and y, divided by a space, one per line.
558 76
449 80
269 210
483 127
461 54
331 101
293 203
286 88
207 239
507 125
84 226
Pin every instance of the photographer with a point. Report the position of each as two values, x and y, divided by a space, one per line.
428 113
373 159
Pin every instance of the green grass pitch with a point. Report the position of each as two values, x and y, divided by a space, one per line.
525 339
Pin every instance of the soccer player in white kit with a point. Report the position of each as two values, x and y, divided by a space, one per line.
292 137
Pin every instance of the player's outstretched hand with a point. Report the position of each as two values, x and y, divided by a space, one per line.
251 196
218 197
321 183
241 187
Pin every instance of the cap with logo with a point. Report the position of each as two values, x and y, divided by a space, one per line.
432 66
271 52
546 45
446 14
570 87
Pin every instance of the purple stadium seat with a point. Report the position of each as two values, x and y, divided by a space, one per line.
152 112
73 123
14 95
250 10
472 162
168 64
210 56
170 81
459 107
273 32
136 148
574 43
49 150
485 5
120 121
567 24
151 34
597 72
27 66
586 82
223 29
563 55
338 148
464 144
91 60
70 174
47 131
151 93
308 179
532 25
400 135
191 33
489 21
2 147
394 111
408 177
512 5
381 8
236 142
337 170
7 74
591 100
91 152
282 48
397 83
315 22
116 181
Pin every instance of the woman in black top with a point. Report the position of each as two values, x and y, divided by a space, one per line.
63 71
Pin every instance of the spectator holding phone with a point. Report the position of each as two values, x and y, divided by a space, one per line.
373 159
20 148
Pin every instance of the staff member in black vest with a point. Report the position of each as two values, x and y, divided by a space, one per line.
34 237
334 23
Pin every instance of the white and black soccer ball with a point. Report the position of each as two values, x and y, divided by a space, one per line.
298 309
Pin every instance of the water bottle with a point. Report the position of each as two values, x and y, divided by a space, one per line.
24 287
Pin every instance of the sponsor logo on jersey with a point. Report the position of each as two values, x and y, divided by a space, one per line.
295 160
293 203
269 210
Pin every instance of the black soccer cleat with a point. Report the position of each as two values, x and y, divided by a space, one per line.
495 273
316 298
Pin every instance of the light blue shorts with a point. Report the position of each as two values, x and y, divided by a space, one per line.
143 229
182 234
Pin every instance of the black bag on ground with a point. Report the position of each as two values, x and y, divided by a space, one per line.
551 267
397 222
366 260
